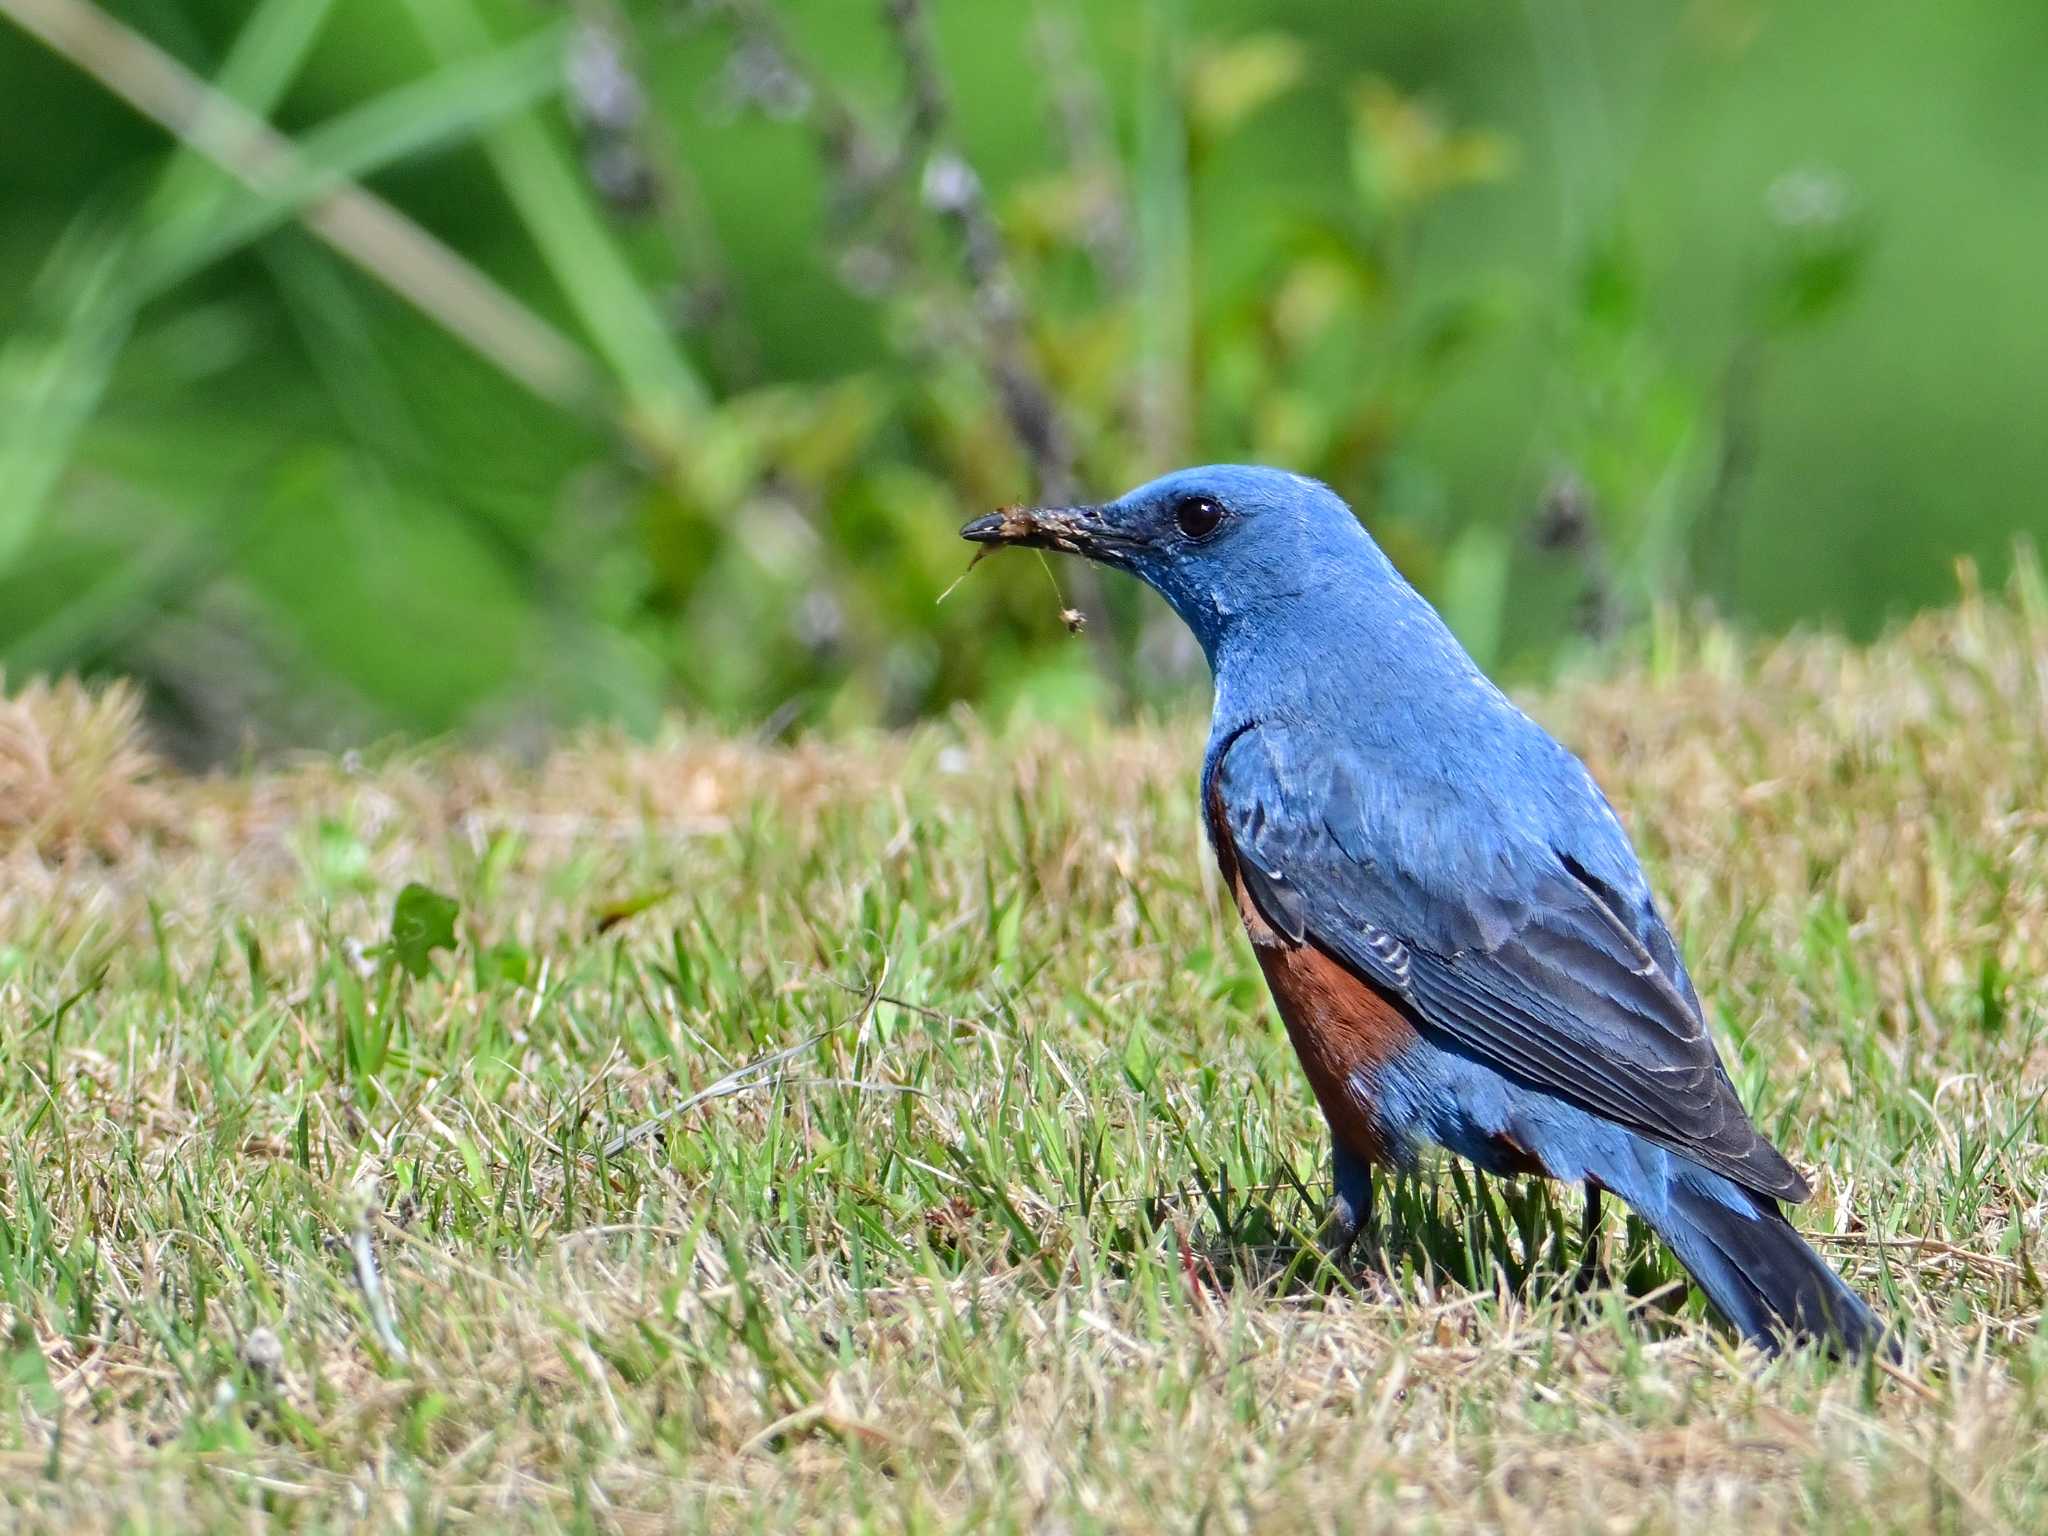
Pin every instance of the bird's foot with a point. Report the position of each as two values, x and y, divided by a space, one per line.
1348 1246
1366 1269
1347 1242
1338 1249
1339 1236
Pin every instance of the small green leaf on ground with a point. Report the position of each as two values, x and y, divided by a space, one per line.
505 962
28 1373
614 913
422 922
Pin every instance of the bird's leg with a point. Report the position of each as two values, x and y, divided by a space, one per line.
1350 1206
1590 1268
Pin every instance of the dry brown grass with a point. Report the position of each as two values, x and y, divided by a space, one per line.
76 775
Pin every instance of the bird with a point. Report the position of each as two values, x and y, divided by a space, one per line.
1450 916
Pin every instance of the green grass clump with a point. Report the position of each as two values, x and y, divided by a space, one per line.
892 1132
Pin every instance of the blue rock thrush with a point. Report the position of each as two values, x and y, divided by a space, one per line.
1452 921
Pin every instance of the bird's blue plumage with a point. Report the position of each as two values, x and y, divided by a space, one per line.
1748 1259
1377 800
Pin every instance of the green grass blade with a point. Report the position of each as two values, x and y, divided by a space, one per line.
265 58
663 390
443 108
54 375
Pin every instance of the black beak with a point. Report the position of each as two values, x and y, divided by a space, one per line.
1077 530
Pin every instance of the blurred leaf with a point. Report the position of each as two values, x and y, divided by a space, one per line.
504 964
1474 589
336 859
1403 155
1817 283
1228 82
1310 296
1009 924
98 614
1453 327
55 372
836 429
1048 211
422 921
339 539
53 376
342 343
444 107
1823 242
1140 1065
610 915
1610 289
28 1373
266 57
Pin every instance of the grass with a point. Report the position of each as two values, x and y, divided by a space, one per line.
1003 1229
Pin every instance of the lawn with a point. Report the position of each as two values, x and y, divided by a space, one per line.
892 1132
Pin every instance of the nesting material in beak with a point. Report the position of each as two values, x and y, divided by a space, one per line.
1032 528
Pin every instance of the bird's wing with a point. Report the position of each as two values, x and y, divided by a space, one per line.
1511 948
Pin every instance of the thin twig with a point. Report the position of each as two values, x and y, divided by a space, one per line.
626 142
768 70
953 190
1717 524
394 250
925 163
372 1284
1082 113
1986 1262
741 1079
1567 523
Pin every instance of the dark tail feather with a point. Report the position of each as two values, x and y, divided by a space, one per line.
1763 1276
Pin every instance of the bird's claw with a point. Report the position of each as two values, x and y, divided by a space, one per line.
1339 1235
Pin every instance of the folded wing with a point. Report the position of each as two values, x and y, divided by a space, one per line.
1495 940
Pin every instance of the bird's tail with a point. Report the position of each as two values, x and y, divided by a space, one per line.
1760 1272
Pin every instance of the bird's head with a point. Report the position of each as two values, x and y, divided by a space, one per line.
1223 544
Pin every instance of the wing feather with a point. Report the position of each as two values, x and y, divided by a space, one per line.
1516 953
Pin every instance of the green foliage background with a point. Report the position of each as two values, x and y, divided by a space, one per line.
1584 305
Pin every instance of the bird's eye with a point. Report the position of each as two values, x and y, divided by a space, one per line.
1197 516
